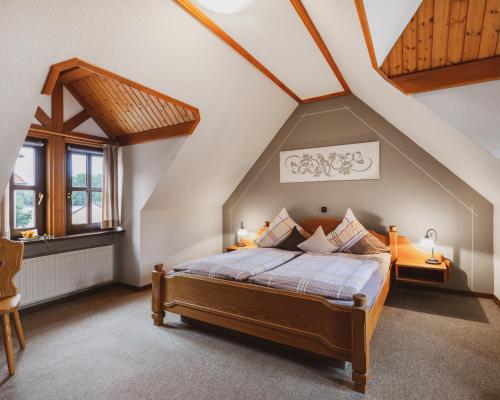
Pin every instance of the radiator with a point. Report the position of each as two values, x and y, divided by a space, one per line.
48 277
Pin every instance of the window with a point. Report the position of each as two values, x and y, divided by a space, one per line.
84 189
27 190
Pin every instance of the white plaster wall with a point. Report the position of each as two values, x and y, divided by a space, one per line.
387 20
142 167
159 45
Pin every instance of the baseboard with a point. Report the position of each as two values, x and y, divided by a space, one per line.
458 292
64 297
135 288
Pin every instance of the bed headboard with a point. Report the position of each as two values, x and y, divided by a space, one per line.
329 224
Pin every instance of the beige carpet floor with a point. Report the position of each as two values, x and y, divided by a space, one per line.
428 345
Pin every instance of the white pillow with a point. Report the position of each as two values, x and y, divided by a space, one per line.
317 243
279 230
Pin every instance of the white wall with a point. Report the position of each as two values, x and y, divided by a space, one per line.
142 167
387 20
159 45
472 109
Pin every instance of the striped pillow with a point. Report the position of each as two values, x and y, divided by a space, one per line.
279 230
352 237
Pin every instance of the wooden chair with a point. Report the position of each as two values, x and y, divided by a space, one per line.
11 256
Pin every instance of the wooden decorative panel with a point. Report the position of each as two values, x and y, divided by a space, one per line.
447 43
126 111
446 32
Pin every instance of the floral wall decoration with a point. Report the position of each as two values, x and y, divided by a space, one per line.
333 163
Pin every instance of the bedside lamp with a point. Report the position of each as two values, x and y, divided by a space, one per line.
430 241
241 233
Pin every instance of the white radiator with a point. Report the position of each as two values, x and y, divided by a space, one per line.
43 278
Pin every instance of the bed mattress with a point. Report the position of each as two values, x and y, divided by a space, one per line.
238 265
335 276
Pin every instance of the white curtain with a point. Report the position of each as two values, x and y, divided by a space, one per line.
4 214
110 217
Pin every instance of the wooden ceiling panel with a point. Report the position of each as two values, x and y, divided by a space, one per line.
125 110
450 32
447 43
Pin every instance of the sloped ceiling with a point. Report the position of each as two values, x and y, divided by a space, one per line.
273 33
387 20
472 109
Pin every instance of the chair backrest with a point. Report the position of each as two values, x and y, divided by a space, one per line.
11 257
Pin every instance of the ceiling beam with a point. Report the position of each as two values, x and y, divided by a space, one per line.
73 75
76 120
324 97
45 132
42 117
99 121
309 24
217 30
183 129
57 108
483 70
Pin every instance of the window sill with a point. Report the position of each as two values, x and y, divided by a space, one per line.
68 243
75 236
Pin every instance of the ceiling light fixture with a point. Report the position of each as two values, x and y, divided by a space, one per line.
224 6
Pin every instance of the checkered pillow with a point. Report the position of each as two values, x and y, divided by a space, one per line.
352 237
279 230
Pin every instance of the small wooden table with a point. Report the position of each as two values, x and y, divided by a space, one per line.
412 268
234 247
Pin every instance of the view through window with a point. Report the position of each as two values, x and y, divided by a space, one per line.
85 173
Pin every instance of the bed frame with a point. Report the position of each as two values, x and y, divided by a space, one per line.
299 320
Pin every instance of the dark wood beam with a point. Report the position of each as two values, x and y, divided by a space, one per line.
76 120
450 76
57 108
42 117
44 132
183 129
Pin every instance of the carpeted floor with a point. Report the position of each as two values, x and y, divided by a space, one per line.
428 345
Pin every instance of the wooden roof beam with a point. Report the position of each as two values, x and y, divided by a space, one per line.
44 132
183 129
73 75
76 120
42 117
453 75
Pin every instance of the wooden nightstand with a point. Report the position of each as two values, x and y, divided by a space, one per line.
412 268
234 247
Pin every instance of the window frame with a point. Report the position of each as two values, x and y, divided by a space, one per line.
88 188
39 187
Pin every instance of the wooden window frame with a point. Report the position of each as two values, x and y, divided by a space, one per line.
88 152
39 188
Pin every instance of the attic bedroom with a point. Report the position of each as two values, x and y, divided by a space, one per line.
241 199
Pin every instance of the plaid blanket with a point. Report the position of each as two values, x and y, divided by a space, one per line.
237 265
334 276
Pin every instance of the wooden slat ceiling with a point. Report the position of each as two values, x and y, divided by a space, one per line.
462 34
126 111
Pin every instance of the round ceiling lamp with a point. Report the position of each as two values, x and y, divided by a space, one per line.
224 6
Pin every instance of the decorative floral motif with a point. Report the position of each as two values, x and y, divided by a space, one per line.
317 165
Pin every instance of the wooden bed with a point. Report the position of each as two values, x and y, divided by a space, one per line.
299 320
